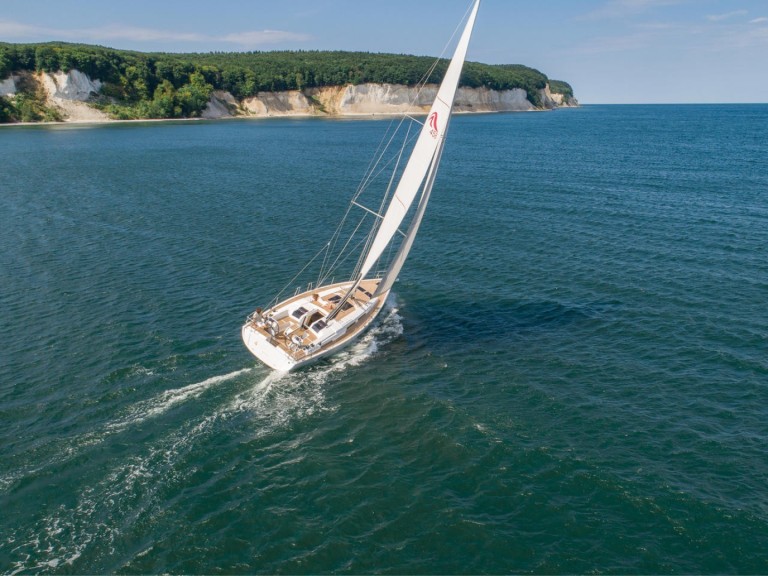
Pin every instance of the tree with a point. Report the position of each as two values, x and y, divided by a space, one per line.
5 64
164 102
194 96
161 85
46 59
7 111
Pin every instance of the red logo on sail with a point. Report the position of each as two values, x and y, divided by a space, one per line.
432 121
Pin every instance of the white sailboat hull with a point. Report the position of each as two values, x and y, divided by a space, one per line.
296 332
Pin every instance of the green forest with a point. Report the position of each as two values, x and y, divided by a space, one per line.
170 85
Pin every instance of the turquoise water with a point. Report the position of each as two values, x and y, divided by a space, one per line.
571 376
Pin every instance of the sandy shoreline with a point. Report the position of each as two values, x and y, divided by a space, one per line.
354 116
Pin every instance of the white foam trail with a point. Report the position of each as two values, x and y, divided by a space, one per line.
128 489
137 414
388 328
165 401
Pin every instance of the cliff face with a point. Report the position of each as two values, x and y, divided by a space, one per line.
70 92
376 99
8 87
74 85
67 93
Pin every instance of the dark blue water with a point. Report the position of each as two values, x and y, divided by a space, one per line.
571 377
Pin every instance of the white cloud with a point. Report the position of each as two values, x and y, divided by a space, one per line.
624 8
110 33
9 29
640 37
136 34
759 20
726 16
262 37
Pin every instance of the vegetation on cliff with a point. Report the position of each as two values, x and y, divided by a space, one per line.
560 87
165 85
29 105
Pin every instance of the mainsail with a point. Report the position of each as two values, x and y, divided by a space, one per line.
425 152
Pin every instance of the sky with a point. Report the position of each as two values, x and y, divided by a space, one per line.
610 51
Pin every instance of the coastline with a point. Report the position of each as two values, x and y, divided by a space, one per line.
69 96
355 116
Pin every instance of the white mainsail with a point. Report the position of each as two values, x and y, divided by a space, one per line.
397 263
424 152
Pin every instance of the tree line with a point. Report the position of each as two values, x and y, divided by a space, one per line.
171 85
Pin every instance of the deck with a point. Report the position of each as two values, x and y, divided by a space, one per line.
296 325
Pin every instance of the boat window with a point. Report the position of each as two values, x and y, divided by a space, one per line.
299 312
364 291
319 325
335 298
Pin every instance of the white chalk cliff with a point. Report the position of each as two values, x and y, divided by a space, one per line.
69 93
8 86
373 99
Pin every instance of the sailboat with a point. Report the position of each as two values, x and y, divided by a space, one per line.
328 316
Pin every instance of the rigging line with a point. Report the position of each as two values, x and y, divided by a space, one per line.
336 263
372 173
378 156
376 214
388 163
385 199
346 257
341 253
357 268
423 81
375 158
419 88
380 151
412 119
369 175
276 299
341 257
396 160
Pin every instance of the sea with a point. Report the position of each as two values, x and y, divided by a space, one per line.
571 375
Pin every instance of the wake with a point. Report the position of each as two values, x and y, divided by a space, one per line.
160 404
136 415
132 490
299 394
